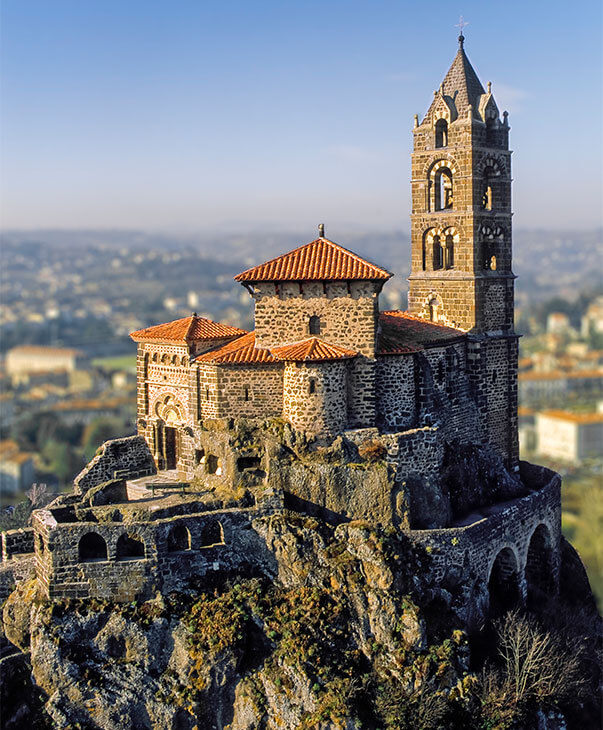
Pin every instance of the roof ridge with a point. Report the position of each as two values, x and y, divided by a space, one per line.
265 271
191 324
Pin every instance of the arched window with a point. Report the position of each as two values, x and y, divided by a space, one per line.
179 539
491 171
443 189
314 325
312 386
433 310
492 236
174 360
212 534
449 251
438 254
441 133
164 359
184 360
129 547
207 392
92 547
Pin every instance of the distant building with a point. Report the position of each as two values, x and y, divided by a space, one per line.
7 410
569 436
557 323
26 360
17 470
526 430
556 386
592 321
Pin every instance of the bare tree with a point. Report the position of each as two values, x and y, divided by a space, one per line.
535 664
38 495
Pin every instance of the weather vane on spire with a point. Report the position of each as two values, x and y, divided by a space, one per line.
461 24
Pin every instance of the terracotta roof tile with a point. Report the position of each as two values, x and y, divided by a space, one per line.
187 329
320 260
402 333
312 349
241 351
574 417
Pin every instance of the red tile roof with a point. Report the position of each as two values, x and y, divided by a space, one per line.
241 351
187 329
320 260
401 333
312 349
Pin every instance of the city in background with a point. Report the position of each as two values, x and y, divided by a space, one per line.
67 365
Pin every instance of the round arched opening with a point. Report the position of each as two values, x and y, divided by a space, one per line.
503 583
539 568
92 547
129 547
179 539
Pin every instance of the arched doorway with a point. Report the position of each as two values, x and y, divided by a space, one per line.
170 414
503 583
539 573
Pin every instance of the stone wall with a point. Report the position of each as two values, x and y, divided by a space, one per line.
395 388
174 551
348 313
17 542
470 287
476 543
118 458
252 391
315 396
16 570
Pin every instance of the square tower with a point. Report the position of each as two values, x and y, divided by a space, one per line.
461 208
461 273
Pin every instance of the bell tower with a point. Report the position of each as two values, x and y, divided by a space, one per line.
461 272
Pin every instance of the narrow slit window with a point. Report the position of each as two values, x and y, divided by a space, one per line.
314 325
312 386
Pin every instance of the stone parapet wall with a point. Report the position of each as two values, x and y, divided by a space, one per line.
510 525
17 542
19 569
118 458
176 550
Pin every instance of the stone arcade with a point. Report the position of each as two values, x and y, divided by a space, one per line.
331 406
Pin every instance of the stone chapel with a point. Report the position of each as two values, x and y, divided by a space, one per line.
324 358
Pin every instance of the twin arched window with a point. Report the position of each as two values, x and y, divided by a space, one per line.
439 247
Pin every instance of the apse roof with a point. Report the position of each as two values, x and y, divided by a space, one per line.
187 329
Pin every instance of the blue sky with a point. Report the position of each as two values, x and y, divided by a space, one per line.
198 115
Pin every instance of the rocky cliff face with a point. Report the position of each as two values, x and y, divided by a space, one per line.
351 633
317 647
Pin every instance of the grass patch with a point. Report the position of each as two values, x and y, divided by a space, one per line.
116 362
